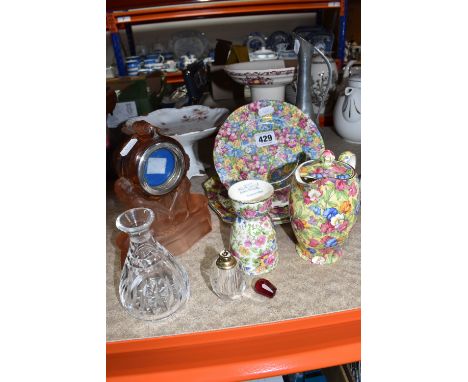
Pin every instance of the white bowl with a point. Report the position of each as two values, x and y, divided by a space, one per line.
171 121
267 78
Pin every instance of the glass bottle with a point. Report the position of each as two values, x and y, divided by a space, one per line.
227 279
153 285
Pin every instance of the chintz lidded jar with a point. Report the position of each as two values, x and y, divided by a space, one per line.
253 237
324 205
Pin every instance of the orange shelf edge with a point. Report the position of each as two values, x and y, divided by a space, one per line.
239 4
221 9
249 352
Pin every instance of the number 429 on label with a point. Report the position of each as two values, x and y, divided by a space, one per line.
265 138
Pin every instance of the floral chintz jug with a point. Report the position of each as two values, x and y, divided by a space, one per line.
253 236
324 204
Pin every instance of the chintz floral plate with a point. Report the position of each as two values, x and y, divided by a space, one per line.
259 138
220 203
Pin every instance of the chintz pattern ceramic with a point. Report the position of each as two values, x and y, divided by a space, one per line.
220 203
253 237
238 154
324 204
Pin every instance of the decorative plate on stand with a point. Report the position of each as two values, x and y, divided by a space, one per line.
262 137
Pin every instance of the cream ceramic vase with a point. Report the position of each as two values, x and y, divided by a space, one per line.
319 74
323 205
253 237
347 111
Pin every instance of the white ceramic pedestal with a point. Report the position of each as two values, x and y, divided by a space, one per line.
189 142
274 92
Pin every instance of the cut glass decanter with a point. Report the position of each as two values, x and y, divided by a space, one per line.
153 284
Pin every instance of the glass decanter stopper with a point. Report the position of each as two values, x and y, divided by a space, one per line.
153 285
227 279
264 287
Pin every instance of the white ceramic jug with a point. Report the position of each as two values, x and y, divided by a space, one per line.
320 73
347 112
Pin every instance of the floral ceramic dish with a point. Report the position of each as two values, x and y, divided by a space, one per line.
267 78
188 119
266 72
259 138
220 203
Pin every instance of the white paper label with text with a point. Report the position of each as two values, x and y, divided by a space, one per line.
250 190
124 19
128 146
265 111
265 138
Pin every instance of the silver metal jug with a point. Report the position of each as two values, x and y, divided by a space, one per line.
304 79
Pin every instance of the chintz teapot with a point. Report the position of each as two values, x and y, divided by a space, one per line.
347 111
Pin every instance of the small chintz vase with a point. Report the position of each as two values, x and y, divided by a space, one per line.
253 237
324 204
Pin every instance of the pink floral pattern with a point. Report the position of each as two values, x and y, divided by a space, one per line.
220 203
236 155
262 77
253 237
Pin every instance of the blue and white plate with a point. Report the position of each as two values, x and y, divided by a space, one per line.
255 41
317 35
279 41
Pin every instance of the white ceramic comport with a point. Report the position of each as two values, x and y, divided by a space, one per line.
188 125
266 78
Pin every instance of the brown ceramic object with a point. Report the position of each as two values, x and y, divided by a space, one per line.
181 218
